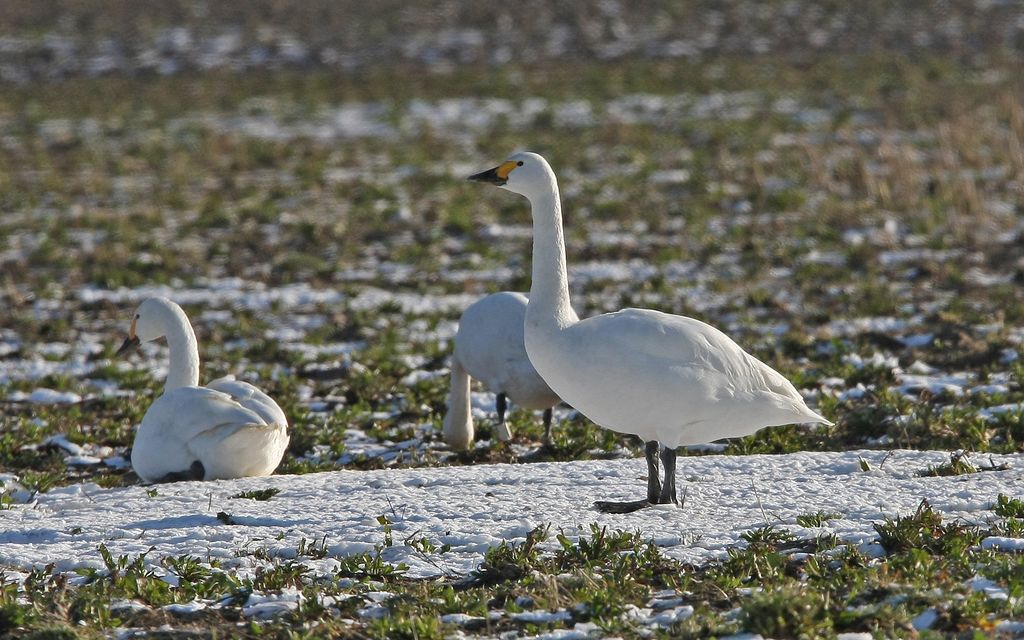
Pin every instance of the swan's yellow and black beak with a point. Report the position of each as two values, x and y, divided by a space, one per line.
497 176
131 343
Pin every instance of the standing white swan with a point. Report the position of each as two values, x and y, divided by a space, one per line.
227 429
665 378
489 347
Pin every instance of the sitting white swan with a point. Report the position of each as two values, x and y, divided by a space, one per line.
228 429
665 378
489 347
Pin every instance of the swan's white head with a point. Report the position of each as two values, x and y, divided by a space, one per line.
524 173
149 322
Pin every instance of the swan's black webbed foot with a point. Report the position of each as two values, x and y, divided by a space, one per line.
621 507
629 507
501 406
657 492
195 472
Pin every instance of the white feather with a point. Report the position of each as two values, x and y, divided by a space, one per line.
489 347
230 427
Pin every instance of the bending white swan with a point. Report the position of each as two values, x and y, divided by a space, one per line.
227 429
666 378
489 347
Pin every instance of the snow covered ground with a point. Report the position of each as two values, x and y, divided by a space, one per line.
472 508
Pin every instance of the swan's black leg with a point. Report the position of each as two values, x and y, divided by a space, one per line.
654 488
547 426
653 477
668 490
501 406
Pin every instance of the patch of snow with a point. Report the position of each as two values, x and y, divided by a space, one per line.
45 396
953 384
992 413
1012 627
266 606
903 256
854 393
875 360
82 461
185 608
989 588
65 444
420 375
541 617
631 271
476 507
982 278
999 543
918 340
918 367
122 606
856 326
989 389
372 298
461 619
218 292
925 620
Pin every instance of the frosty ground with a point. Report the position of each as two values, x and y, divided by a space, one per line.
474 508
467 510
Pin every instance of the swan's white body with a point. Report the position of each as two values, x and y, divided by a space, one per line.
663 377
666 378
489 347
230 428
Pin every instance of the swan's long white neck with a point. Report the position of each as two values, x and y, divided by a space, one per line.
183 369
549 307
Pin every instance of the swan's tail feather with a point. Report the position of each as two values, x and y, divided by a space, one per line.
813 416
789 399
241 450
795 411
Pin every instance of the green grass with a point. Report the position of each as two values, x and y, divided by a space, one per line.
258 494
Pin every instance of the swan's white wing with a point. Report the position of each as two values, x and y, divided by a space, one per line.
666 377
194 410
165 442
490 336
251 398
490 347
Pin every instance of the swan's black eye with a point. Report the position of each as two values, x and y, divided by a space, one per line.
519 164
136 316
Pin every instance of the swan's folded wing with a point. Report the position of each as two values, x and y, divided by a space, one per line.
187 412
177 425
660 337
688 382
251 398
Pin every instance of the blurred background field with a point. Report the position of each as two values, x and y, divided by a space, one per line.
837 185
